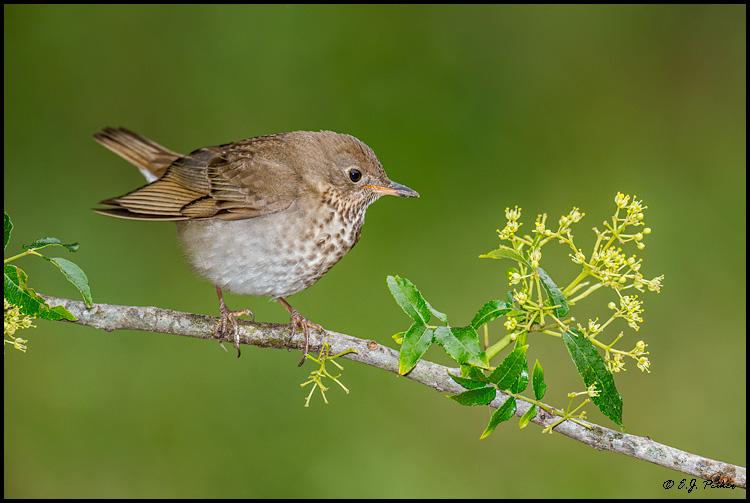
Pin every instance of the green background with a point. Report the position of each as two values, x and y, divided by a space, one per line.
477 108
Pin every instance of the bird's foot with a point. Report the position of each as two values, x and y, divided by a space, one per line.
297 320
228 318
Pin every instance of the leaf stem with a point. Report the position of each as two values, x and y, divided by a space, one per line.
14 257
493 350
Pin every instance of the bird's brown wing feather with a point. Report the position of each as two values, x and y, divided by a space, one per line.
231 182
145 154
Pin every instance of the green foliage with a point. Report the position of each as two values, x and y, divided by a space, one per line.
505 252
19 294
554 294
538 381
537 305
489 312
512 374
476 396
503 413
593 370
24 301
461 343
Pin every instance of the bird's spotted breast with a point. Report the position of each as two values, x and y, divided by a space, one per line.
275 255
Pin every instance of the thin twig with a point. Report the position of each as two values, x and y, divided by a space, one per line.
274 335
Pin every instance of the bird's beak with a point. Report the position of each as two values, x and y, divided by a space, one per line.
395 189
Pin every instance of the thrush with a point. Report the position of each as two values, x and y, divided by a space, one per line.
266 216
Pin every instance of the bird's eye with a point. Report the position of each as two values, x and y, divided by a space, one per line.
355 175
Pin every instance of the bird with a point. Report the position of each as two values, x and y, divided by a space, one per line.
265 216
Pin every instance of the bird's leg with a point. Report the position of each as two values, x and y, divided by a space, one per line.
227 318
297 320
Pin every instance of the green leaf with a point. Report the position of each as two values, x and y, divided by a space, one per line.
19 294
505 252
399 337
462 344
55 313
555 295
477 375
409 298
527 417
506 375
416 342
593 369
522 382
441 316
45 242
479 396
538 384
468 382
490 311
504 413
75 275
8 226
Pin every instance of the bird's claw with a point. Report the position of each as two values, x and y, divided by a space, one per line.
228 318
297 320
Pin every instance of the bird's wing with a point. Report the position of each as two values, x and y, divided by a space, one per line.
231 182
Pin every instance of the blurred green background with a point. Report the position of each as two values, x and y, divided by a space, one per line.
477 108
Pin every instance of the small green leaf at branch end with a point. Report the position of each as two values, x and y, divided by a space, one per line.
527 417
538 384
504 413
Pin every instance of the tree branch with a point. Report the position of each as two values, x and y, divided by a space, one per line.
274 335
